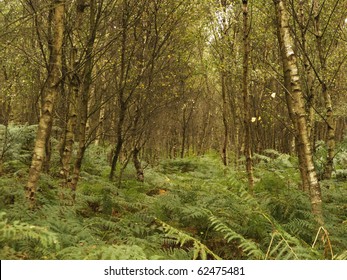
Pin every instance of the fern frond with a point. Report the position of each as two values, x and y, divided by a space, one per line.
19 231
24 234
181 238
284 246
248 246
342 256
171 253
117 252
103 252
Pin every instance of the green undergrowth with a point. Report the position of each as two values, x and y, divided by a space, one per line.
190 208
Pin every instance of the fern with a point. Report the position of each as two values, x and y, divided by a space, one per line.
103 252
203 211
342 256
20 236
248 246
171 253
283 246
181 238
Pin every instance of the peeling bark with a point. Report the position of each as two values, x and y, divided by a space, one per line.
300 113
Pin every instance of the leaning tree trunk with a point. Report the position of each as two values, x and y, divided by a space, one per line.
300 113
289 102
51 90
246 98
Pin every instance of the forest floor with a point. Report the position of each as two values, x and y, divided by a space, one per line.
190 208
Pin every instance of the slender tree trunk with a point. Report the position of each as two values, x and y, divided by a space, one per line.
308 88
82 145
202 136
6 108
330 140
300 113
100 130
4 146
81 138
74 87
246 98
329 117
51 90
290 107
85 93
122 100
137 163
184 133
225 118
69 135
235 111
48 150
120 140
223 80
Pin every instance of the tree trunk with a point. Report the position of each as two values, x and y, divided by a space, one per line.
138 166
51 90
100 130
225 119
70 131
308 88
74 87
122 99
48 150
119 144
300 113
246 98
329 117
5 112
85 92
184 130
290 107
330 140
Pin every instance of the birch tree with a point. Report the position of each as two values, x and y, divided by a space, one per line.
50 91
299 111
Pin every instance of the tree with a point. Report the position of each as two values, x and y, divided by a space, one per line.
246 97
144 48
329 118
50 91
74 83
299 111
86 83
